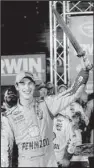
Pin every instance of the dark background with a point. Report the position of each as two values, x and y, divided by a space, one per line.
24 27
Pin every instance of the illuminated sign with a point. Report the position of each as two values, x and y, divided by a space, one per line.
11 65
82 29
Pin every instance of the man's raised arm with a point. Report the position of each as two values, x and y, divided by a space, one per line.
61 101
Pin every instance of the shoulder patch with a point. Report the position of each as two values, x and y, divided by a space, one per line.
11 110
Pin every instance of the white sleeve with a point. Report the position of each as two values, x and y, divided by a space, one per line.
58 103
6 142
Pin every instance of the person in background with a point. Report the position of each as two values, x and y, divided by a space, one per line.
32 132
83 99
62 88
50 88
66 138
68 112
66 127
88 134
86 101
42 90
10 99
67 135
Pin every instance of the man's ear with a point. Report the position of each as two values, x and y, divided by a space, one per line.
16 86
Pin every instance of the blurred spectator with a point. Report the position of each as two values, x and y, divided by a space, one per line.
67 136
67 131
77 121
42 90
50 88
74 107
62 88
83 99
10 98
87 101
88 135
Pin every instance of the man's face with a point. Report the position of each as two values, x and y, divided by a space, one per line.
26 88
76 120
43 92
50 91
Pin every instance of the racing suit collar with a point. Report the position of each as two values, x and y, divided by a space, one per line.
32 103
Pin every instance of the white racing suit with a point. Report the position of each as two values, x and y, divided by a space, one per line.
32 129
64 137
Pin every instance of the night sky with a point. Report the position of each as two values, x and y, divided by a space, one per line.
23 27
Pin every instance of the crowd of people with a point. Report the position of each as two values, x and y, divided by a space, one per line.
45 127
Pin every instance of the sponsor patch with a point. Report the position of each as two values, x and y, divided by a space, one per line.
35 144
17 112
19 118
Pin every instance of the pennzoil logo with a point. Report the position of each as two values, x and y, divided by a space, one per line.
35 144
87 28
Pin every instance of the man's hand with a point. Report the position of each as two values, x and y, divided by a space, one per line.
81 79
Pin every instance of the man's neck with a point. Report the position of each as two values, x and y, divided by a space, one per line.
25 102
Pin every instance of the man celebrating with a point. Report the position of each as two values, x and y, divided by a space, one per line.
32 126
